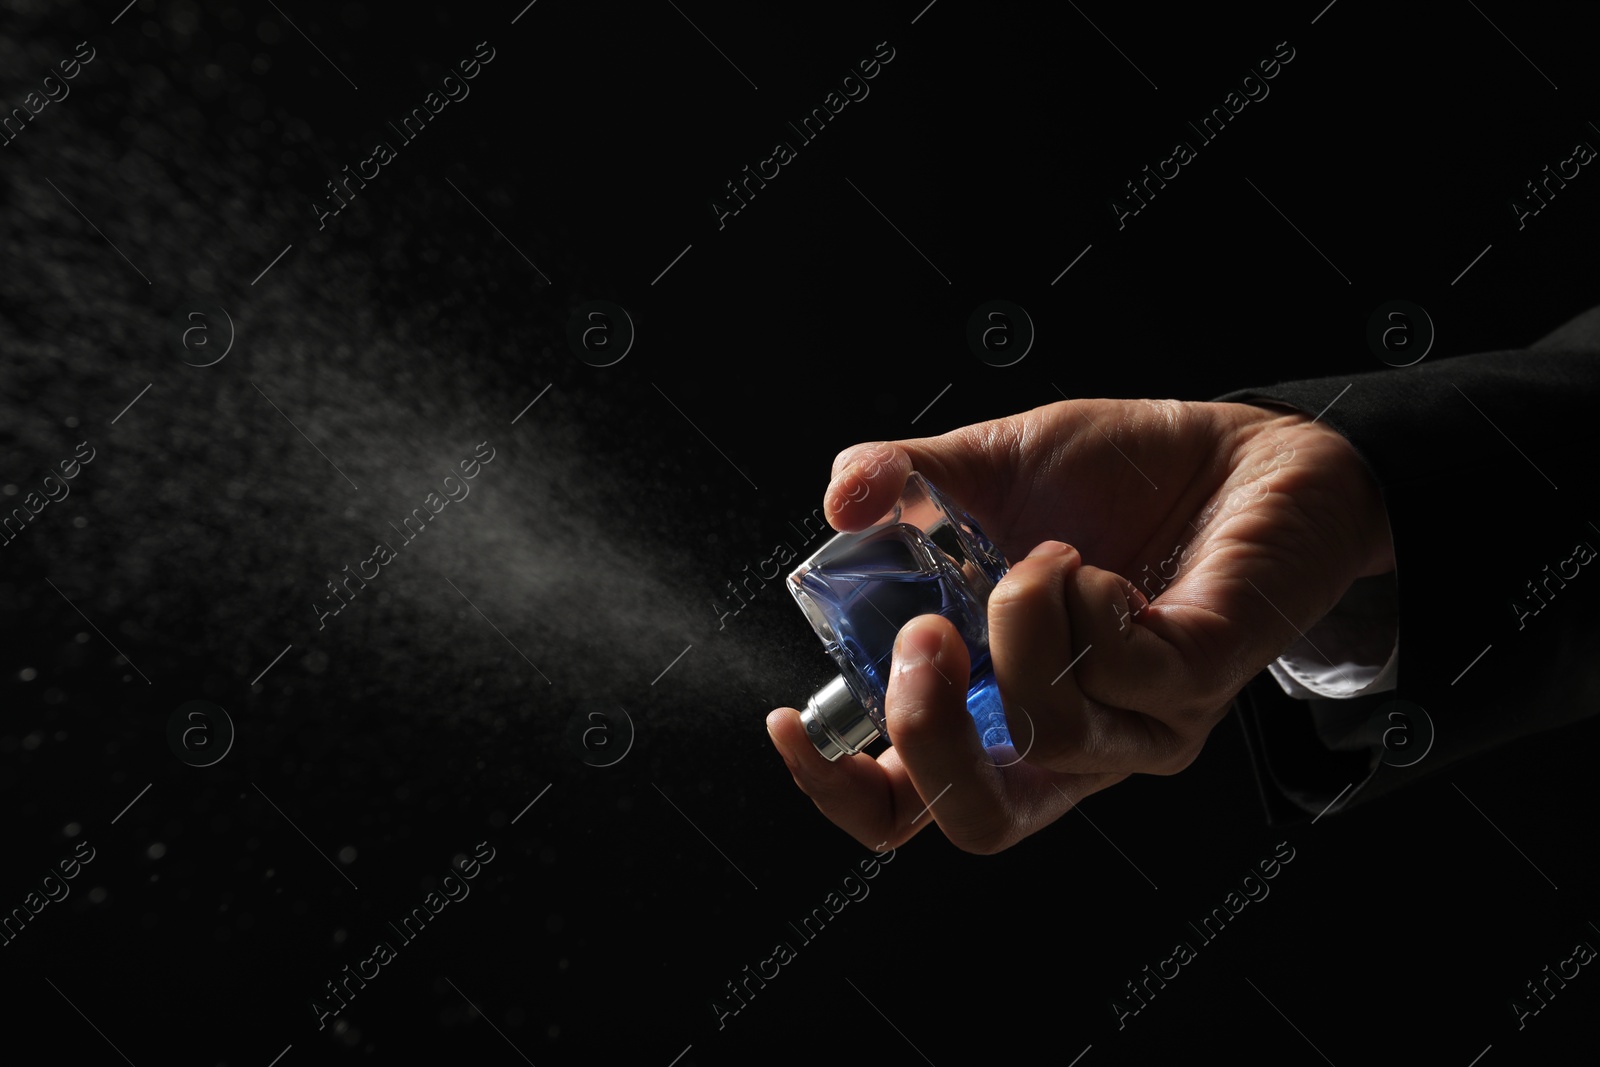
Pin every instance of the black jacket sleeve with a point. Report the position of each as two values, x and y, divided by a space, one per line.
1487 465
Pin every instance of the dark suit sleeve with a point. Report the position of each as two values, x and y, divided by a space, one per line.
1487 464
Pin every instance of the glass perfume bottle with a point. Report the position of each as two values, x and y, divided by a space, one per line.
926 556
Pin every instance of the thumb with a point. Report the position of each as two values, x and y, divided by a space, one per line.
971 465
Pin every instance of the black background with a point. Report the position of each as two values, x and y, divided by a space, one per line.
618 506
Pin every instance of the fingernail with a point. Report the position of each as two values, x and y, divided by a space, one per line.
844 488
842 460
788 760
848 456
1047 549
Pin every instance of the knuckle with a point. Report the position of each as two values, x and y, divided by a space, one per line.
1022 593
915 726
1008 592
872 840
1095 669
1171 746
1175 758
1062 741
984 839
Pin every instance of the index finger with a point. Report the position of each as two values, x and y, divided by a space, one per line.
870 799
983 800
982 803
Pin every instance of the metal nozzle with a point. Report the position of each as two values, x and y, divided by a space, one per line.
835 722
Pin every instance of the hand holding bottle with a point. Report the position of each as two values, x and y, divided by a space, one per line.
1165 552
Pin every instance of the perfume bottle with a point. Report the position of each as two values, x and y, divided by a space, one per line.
926 556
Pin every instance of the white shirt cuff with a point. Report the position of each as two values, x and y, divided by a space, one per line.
1352 651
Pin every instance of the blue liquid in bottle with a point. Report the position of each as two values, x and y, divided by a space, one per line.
861 588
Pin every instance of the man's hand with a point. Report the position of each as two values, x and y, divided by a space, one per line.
1166 551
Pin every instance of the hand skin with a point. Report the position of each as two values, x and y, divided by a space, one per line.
1275 515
